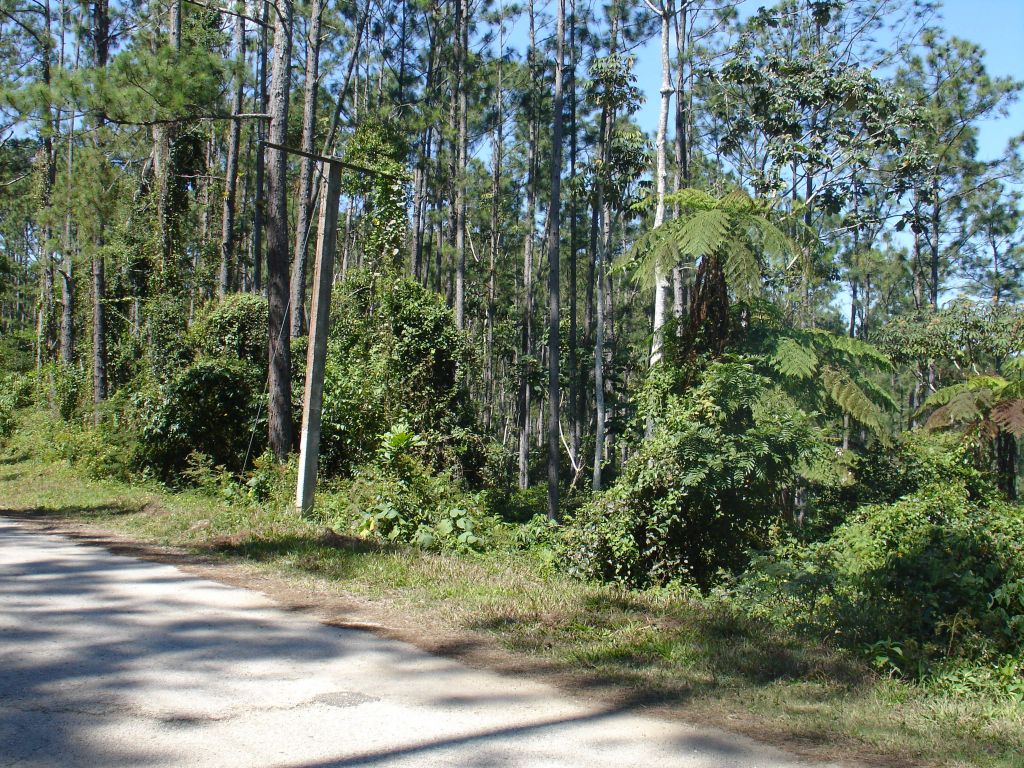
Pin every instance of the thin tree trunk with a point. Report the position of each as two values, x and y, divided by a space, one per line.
461 58
304 215
163 140
67 317
531 214
661 279
260 203
574 398
496 158
279 348
680 281
227 234
101 50
554 294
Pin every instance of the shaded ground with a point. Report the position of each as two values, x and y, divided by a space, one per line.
108 660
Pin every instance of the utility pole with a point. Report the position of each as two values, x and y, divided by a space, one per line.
319 320
316 354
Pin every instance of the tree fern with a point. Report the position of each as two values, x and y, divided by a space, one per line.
835 366
736 228
793 359
985 402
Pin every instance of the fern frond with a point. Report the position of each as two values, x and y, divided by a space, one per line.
651 250
852 400
1014 367
773 241
703 233
691 199
963 406
742 271
1009 416
793 359
856 350
945 395
879 394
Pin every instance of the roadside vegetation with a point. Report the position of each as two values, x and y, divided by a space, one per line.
882 617
735 432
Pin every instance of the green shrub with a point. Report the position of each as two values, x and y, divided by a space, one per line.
702 491
882 474
932 575
398 498
165 345
234 327
101 452
17 351
395 355
7 419
209 407
69 383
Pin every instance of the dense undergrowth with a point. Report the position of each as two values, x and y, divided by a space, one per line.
738 555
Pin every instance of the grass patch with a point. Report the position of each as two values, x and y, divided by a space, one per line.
682 653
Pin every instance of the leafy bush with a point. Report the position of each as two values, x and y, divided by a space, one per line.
234 327
882 474
7 420
208 407
702 490
395 355
68 385
934 574
17 351
398 498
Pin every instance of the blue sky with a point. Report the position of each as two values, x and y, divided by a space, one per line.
996 25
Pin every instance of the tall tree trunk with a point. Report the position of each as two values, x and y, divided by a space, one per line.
101 51
163 140
602 241
305 212
661 279
680 282
575 416
531 215
492 276
51 120
227 233
67 316
461 60
279 347
554 294
259 208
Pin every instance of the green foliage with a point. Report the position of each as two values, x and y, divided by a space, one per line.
68 384
734 228
702 490
7 418
234 327
989 403
970 335
207 407
823 371
916 460
379 144
395 355
399 499
929 576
